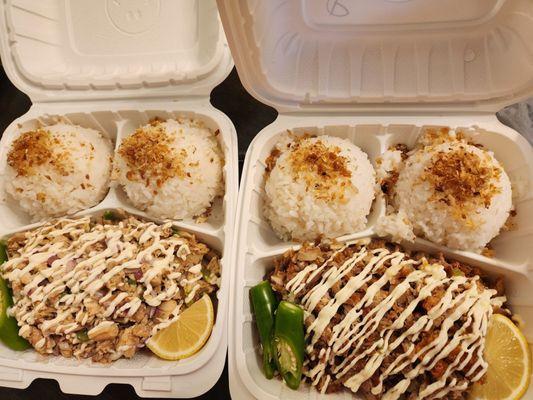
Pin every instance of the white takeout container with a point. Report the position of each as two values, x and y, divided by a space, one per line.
112 66
376 72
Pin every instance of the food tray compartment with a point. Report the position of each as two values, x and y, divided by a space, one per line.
256 250
261 235
115 126
216 232
374 139
248 359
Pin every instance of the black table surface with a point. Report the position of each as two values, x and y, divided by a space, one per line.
249 117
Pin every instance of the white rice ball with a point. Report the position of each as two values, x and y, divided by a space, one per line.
58 169
321 186
454 194
171 169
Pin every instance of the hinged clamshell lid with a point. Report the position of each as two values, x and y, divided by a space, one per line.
61 50
329 55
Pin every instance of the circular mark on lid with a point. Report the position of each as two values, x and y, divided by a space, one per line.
133 16
470 55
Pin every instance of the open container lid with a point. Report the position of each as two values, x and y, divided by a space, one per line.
63 50
334 55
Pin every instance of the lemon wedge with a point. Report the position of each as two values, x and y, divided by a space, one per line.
187 335
509 359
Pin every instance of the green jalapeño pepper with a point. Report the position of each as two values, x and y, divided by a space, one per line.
264 305
289 343
8 325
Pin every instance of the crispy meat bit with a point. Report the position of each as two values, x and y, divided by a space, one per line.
387 184
35 148
149 155
271 160
323 169
461 178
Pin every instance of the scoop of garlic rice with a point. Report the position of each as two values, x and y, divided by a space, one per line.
171 169
452 193
58 169
321 186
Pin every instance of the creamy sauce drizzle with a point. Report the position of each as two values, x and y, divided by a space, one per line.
49 265
463 298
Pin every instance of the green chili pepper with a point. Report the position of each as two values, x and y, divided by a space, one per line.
82 336
132 282
9 330
289 343
264 305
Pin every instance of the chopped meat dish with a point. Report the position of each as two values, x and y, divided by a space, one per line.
100 288
386 323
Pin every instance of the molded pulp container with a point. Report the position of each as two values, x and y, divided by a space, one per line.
112 66
377 72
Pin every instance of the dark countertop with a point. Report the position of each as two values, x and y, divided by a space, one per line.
249 117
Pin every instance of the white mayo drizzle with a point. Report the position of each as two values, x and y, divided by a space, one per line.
463 298
50 264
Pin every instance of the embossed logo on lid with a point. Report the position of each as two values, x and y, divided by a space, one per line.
133 16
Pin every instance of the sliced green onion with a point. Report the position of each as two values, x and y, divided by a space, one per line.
82 336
